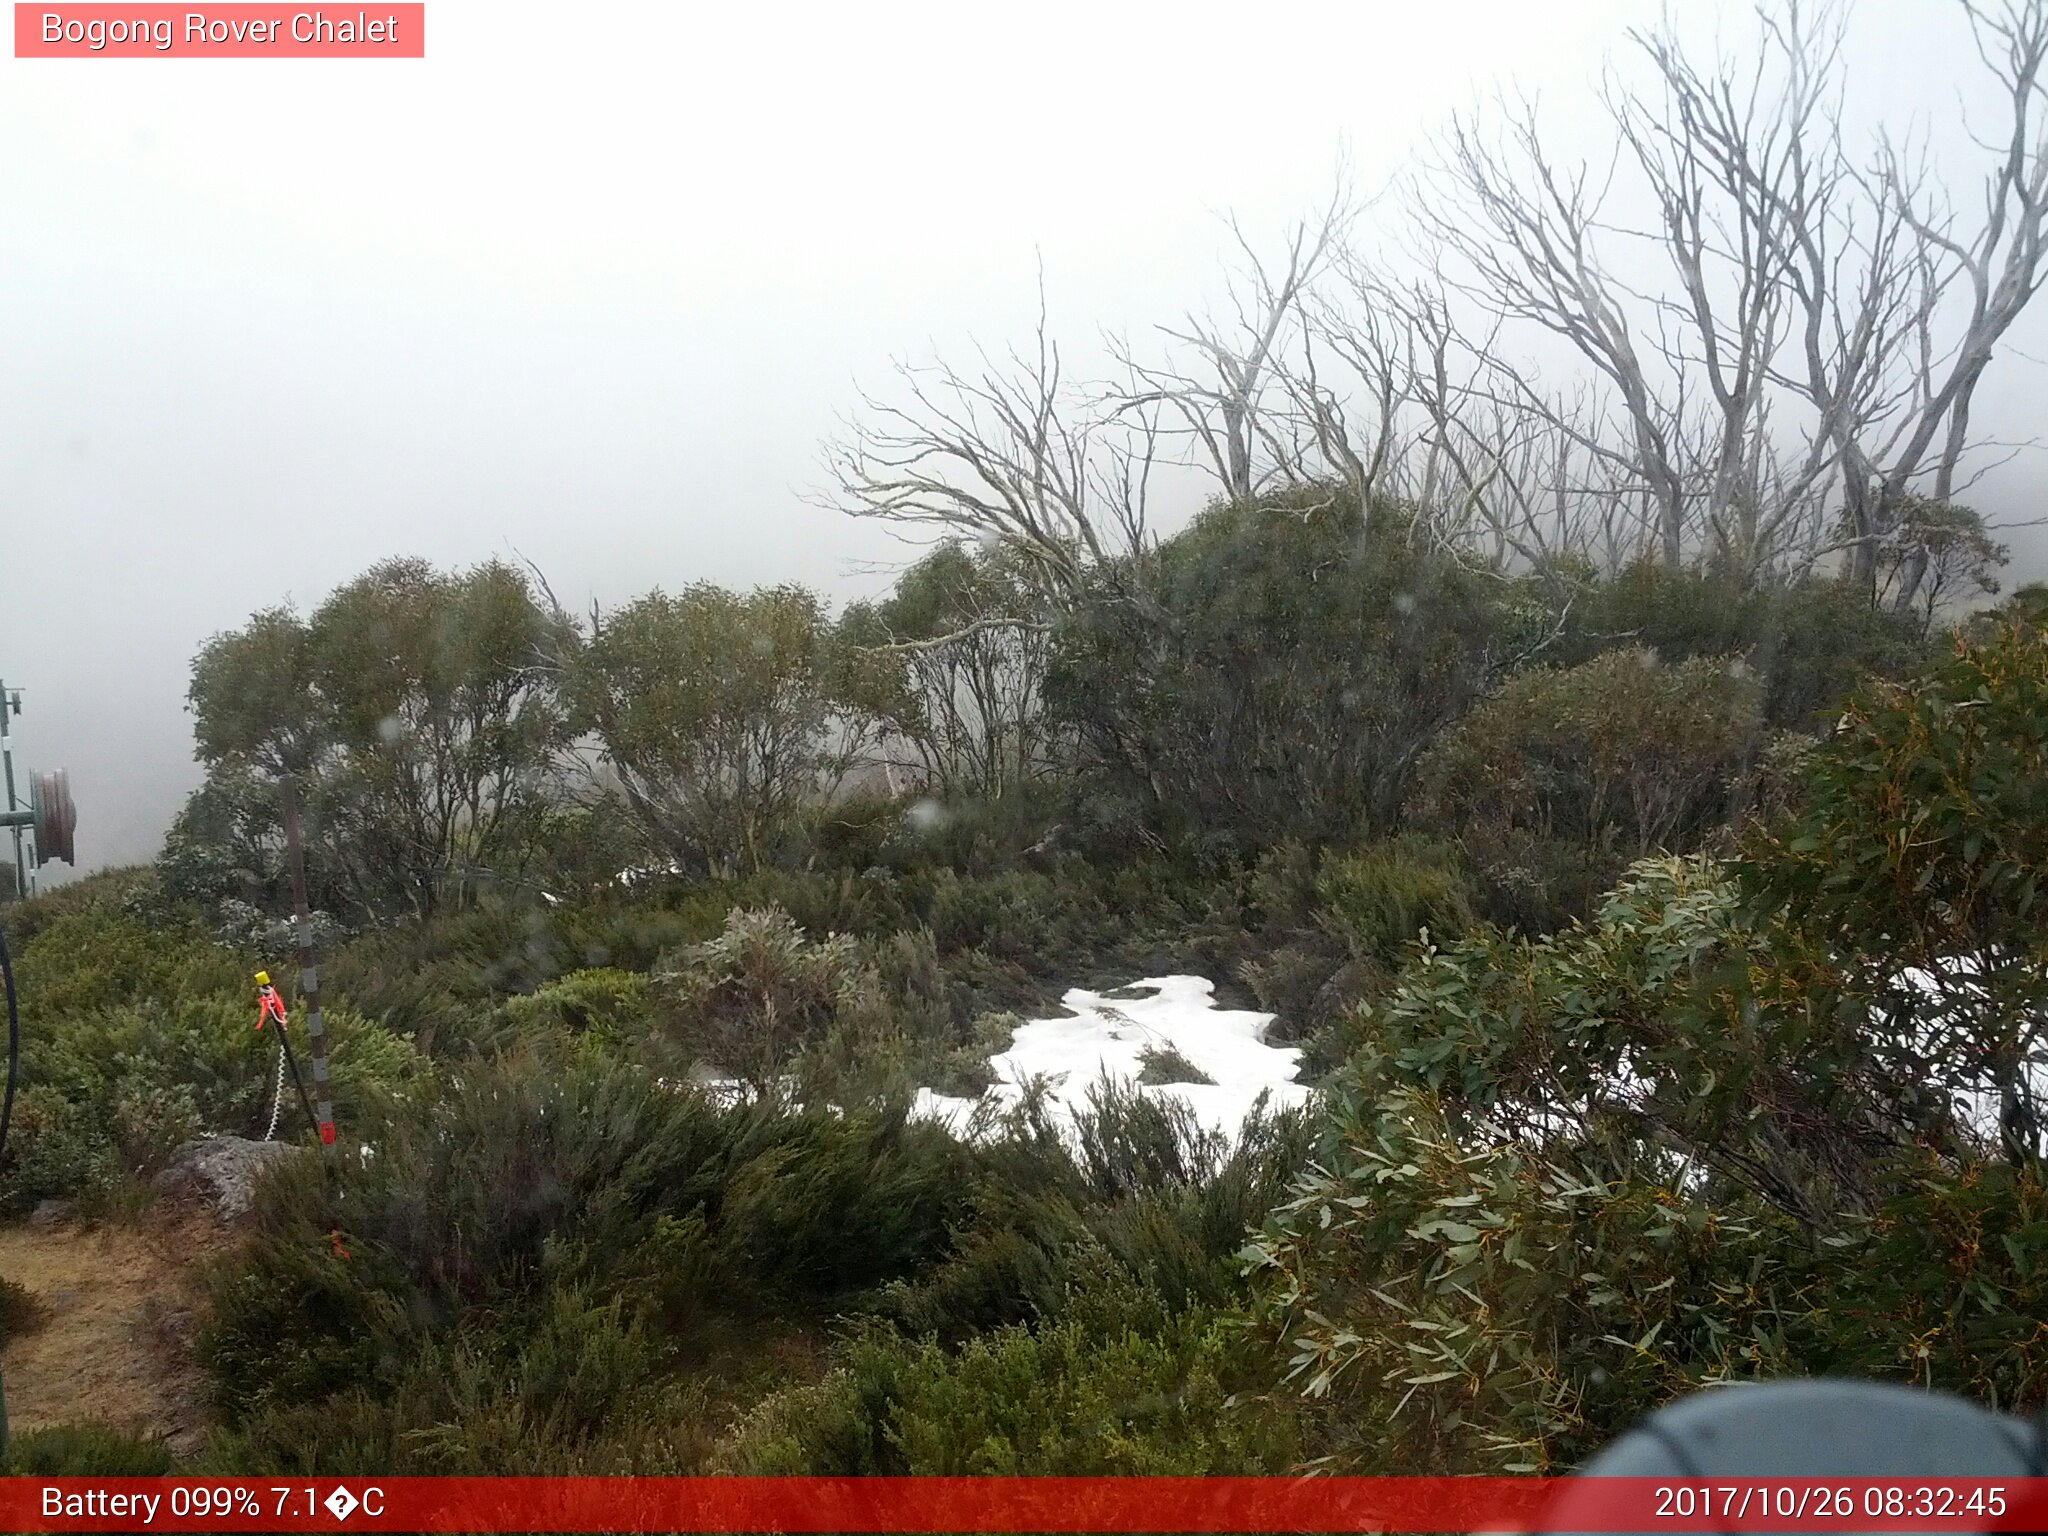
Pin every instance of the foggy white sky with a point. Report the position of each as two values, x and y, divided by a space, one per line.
593 281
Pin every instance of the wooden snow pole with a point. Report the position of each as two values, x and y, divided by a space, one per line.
309 974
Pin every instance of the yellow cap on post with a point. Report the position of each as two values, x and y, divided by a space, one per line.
263 978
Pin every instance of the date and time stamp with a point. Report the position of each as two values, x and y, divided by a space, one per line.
1821 1502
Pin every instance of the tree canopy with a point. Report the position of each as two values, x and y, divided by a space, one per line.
418 711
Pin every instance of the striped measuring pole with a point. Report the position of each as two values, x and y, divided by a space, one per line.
309 971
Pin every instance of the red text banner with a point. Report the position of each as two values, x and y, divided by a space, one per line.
1018 1504
219 32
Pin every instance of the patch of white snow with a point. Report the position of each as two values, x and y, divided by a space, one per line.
1112 1037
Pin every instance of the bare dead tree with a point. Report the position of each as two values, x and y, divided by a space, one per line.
1998 265
1217 374
1433 420
1684 367
1786 333
981 727
1771 345
1525 229
1010 453
963 630
1362 433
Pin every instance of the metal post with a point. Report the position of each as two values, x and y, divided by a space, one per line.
309 974
9 706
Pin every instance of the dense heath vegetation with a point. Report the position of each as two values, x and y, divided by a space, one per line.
1593 915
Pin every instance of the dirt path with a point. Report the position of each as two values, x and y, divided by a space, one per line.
123 1299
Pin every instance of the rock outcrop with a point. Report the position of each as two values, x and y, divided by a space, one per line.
221 1170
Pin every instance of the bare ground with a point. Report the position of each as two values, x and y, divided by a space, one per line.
122 1300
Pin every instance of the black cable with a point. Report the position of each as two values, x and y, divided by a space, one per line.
7 1104
293 1062
13 1040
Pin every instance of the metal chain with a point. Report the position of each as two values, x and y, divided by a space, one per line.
276 1094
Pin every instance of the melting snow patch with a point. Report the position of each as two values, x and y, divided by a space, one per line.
1113 1037
1949 994
645 872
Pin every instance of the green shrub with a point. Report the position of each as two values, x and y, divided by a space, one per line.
1380 898
56 1149
976 837
93 956
1063 1400
1460 1306
144 1036
1811 643
1624 750
1016 1258
1536 883
929 997
1566 1179
22 1312
1161 1065
597 998
86 1449
851 833
1141 1195
1944 1285
566 1385
1332 927
1182 1242
577 849
1281 887
1915 856
1310 988
963 1070
677 1273
152 1120
1129 1140
1018 913
563 1166
750 999
838 1205
1566 775
443 981
1292 655
106 890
